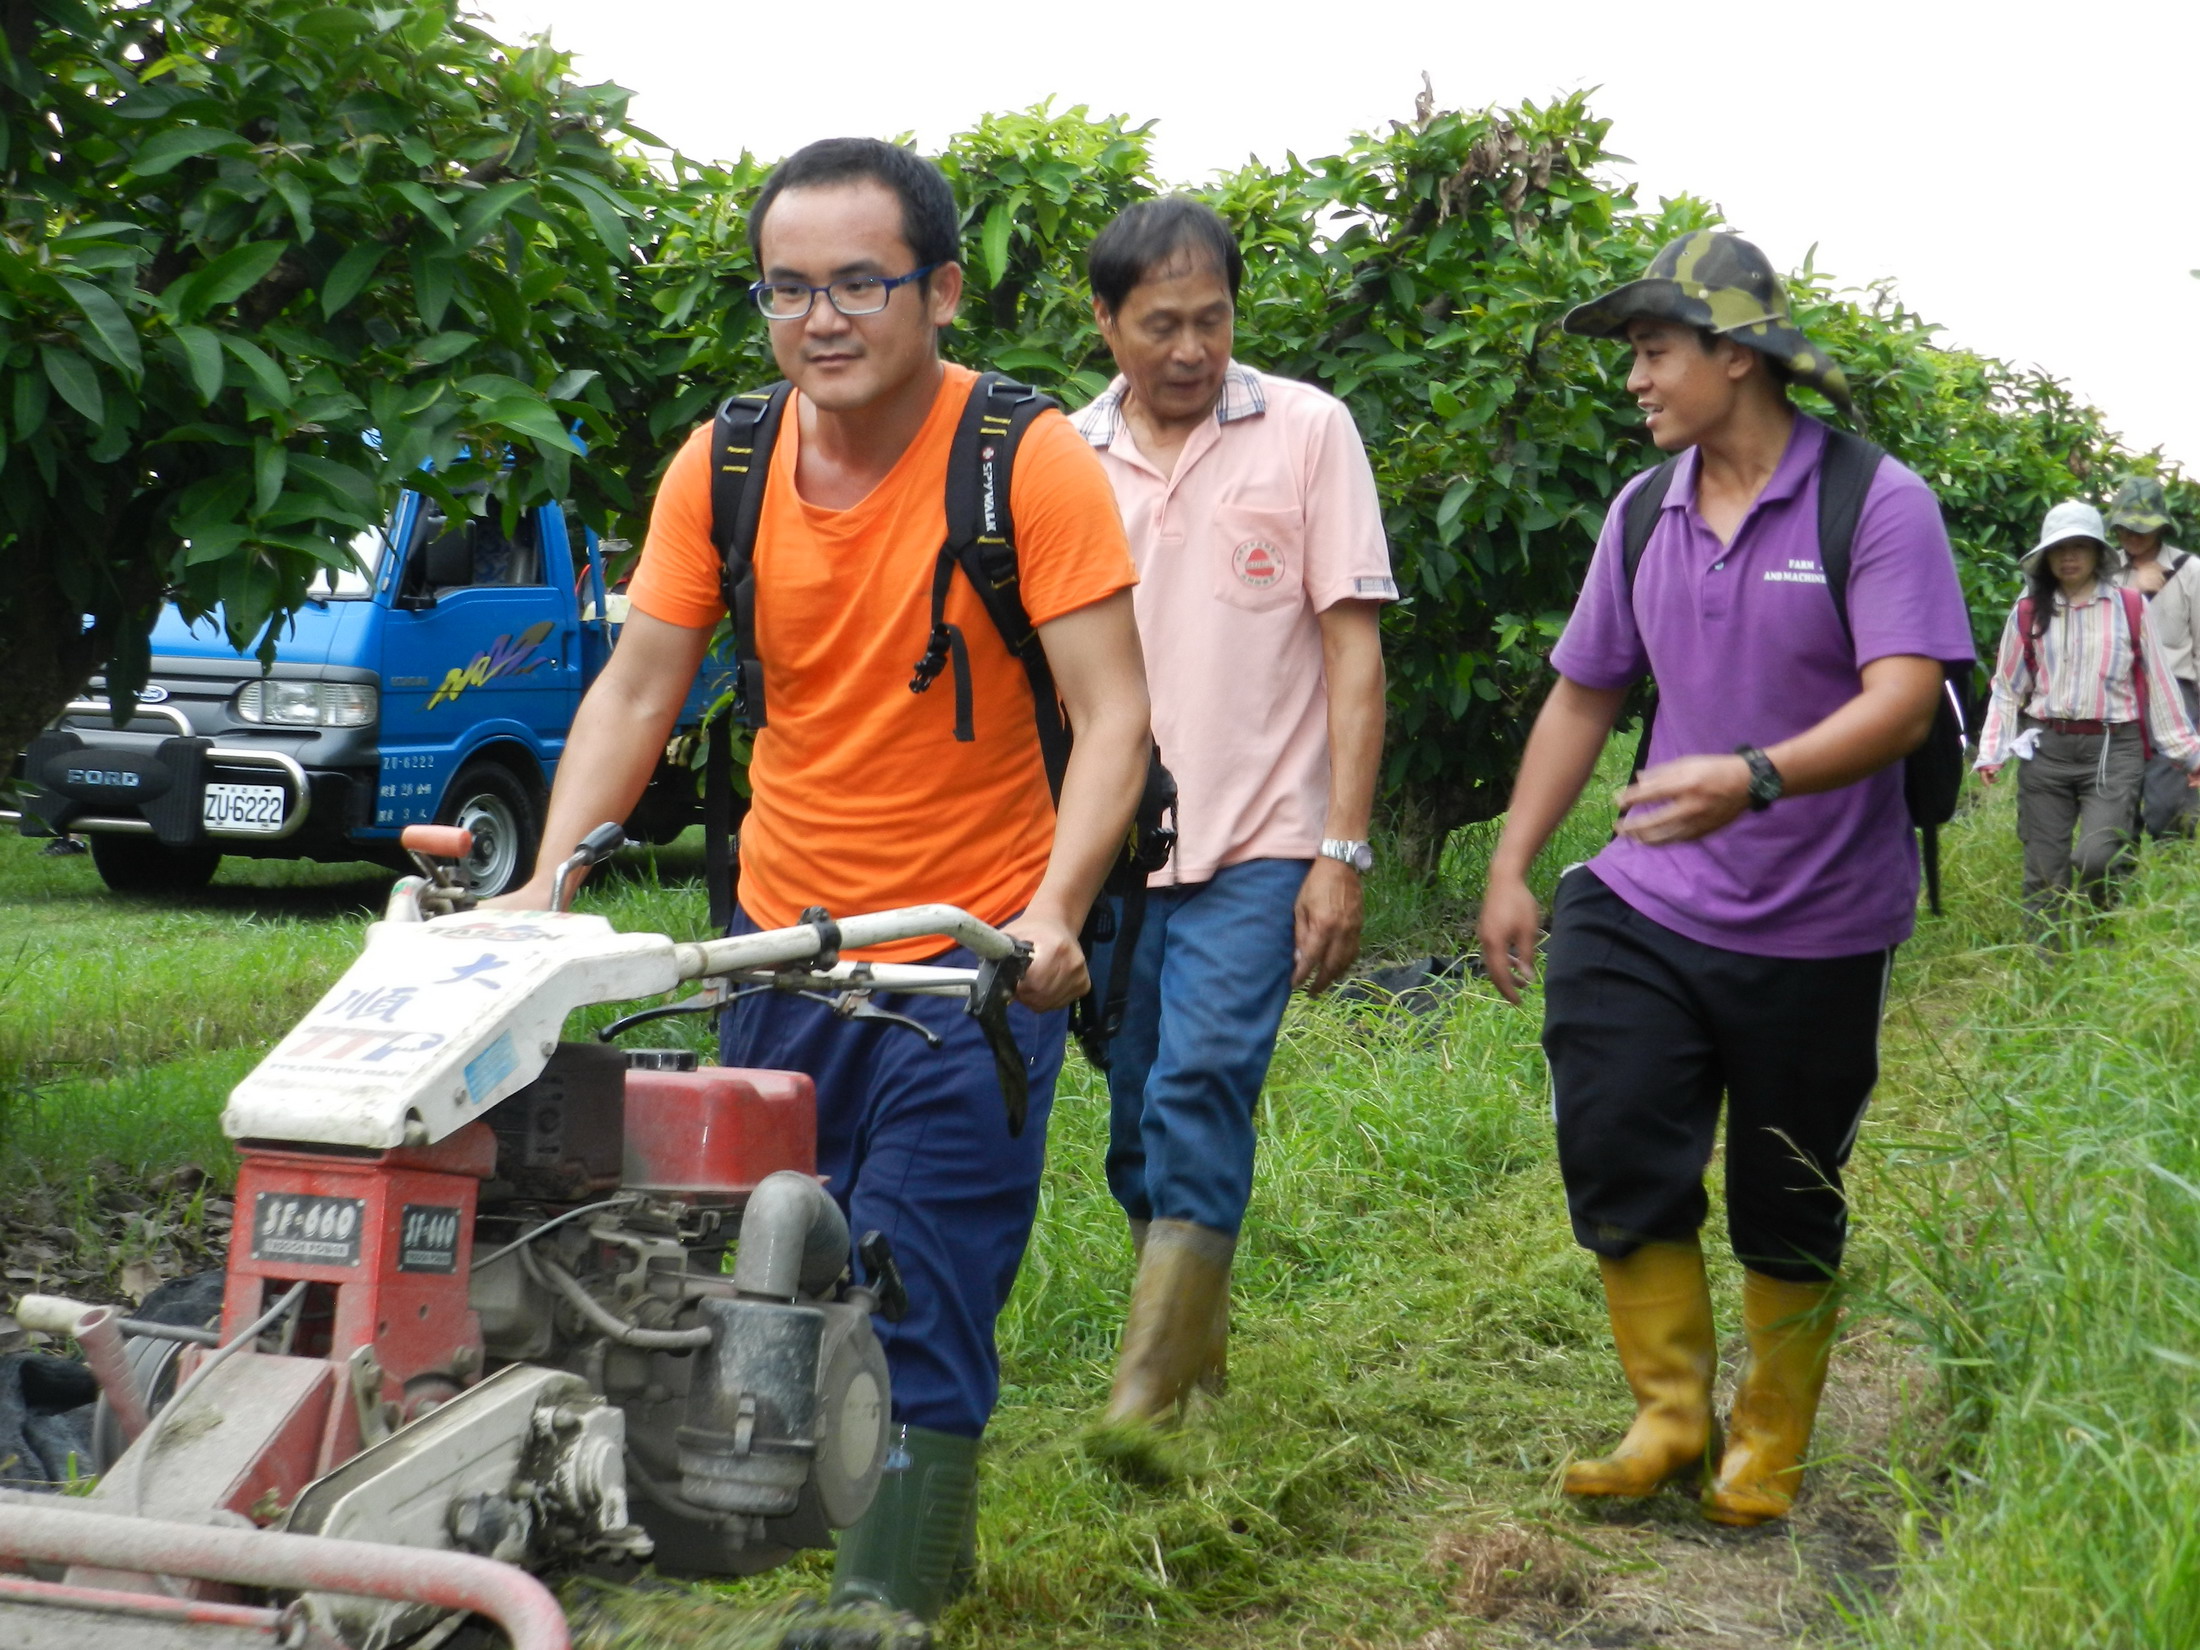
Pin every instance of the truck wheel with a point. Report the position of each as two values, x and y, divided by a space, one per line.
500 811
133 864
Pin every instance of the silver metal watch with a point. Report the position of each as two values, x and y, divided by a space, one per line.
1358 855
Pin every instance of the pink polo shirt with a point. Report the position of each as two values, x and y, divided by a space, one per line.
1270 517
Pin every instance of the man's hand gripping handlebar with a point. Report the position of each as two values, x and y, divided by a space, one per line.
805 959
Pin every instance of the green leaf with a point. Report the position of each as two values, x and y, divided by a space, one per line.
112 326
269 465
349 277
524 417
202 349
433 352
568 385
232 275
425 203
213 542
1455 500
270 379
298 199
480 214
340 481
165 151
433 275
76 381
1000 224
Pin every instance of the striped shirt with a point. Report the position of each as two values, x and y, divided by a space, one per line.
2085 675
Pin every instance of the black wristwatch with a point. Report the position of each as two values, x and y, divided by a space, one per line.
1765 783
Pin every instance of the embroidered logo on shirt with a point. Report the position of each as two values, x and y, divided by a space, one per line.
1796 572
1258 563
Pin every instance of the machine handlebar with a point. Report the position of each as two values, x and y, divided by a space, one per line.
774 948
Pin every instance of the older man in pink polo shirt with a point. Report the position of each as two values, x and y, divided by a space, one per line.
1262 569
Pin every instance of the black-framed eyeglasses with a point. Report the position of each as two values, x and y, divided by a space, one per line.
851 295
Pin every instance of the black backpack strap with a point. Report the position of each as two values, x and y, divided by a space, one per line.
1635 528
741 440
718 820
1641 519
1845 474
981 540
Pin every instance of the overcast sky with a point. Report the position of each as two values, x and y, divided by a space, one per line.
2025 172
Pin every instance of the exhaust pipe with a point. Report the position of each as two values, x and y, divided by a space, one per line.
794 1239
97 1329
751 1438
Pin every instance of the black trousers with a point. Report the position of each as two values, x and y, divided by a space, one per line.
1645 1030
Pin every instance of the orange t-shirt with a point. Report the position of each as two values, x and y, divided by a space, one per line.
863 797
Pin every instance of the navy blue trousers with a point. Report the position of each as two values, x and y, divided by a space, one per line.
1208 986
915 1144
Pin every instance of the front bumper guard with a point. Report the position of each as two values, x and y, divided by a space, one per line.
183 826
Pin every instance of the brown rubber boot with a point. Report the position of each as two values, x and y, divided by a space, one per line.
1168 1337
1660 1303
1790 1328
1214 1375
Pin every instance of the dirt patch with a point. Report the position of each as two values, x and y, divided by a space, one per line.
113 1237
1655 1573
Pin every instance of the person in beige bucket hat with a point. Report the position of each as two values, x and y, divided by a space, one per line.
2080 685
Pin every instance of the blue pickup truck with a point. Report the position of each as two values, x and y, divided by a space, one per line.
437 687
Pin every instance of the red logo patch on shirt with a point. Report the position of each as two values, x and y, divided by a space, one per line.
1258 563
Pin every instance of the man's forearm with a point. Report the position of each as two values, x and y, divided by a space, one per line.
609 755
1563 748
1100 791
617 736
1101 675
1352 667
1882 724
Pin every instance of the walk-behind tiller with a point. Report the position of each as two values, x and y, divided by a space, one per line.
495 1303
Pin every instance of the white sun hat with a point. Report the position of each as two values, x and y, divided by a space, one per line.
2074 519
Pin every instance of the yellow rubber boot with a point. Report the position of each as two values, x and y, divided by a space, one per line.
1790 1327
1660 1303
1182 1290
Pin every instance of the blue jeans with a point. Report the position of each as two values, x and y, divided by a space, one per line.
915 1143
1208 985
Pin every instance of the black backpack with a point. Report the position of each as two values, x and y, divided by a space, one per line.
1932 775
981 540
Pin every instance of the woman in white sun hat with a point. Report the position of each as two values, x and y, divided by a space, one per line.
2082 696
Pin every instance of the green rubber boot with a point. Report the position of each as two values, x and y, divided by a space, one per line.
911 1550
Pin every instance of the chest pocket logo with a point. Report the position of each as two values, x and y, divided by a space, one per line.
1258 563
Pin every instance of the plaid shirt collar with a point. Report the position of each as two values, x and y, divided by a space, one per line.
1242 397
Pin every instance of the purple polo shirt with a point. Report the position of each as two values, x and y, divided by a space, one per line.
1746 649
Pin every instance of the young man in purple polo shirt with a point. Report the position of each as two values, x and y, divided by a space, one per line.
1736 935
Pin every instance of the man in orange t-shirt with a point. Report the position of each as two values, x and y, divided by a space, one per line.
864 798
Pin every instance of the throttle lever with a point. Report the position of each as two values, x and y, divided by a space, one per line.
886 1286
990 994
853 1005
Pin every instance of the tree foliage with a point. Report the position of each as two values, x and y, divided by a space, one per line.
236 235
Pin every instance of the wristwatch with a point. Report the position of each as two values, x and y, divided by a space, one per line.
1358 855
1765 783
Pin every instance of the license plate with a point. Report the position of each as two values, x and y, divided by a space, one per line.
254 808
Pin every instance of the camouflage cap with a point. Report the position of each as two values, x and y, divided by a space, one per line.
2140 504
1724 284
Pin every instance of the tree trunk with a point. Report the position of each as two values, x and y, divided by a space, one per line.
50 653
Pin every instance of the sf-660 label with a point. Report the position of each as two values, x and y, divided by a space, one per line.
427 1239
309 1230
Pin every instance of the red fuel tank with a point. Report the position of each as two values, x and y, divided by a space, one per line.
709 1135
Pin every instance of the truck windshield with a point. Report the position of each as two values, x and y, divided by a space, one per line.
348 584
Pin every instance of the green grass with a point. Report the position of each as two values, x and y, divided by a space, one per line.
1419 1347
2053 1270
